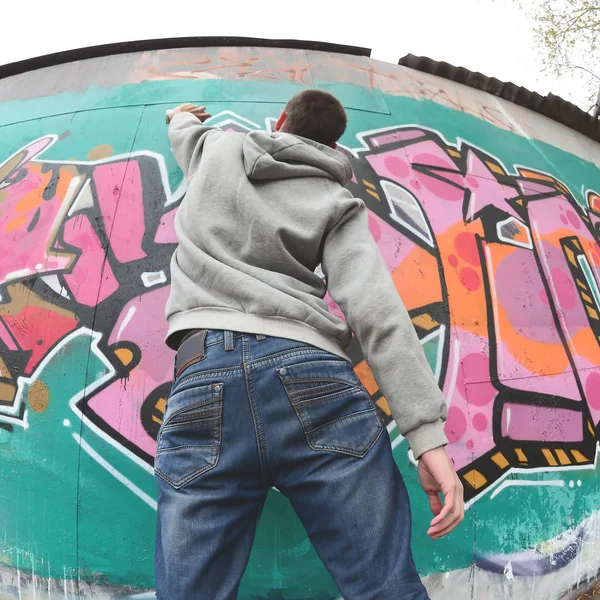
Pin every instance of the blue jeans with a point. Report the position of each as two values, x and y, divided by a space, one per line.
248 414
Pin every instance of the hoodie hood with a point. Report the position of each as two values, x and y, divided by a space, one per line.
283 155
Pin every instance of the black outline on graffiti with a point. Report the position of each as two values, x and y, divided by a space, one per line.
155 179
489 217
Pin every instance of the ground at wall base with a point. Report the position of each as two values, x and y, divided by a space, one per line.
585 592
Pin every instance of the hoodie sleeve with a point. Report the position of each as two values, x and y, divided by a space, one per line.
358 280
187 136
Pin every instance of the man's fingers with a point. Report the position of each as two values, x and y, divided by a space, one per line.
451 515
445 527
200 114
448 509
435 503
437 474
192 108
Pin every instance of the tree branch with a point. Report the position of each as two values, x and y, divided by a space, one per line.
572 66
575 19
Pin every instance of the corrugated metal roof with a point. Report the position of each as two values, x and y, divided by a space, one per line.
550 106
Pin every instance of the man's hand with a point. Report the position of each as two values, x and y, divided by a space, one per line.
436 475
198 111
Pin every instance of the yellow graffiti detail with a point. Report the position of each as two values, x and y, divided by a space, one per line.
549 457
500 460
475 479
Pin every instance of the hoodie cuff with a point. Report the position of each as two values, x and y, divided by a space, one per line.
426 437
181 114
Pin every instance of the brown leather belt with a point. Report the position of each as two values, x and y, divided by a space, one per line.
190 350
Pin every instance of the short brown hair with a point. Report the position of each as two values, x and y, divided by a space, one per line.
315 115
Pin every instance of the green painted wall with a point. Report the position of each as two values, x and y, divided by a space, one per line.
76 489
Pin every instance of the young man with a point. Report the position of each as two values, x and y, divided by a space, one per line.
264 394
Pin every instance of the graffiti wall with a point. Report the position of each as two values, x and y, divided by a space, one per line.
488 220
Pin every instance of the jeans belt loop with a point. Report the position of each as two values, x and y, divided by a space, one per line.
229 345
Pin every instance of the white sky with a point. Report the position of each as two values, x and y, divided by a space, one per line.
491 36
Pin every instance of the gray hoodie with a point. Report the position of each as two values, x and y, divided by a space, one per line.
261 213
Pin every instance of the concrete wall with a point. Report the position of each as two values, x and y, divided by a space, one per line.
488 217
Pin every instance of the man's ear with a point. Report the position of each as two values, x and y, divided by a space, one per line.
280 121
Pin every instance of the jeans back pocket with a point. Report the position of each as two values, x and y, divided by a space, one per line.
335 410
189 439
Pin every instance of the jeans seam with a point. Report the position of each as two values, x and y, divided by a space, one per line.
216 397
170 424
301 396
290 354
194 407
254 409
167 450
191 477
347 451
356 383
303 400
342 419
317 379
189 363
199 472
202 374
214 343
